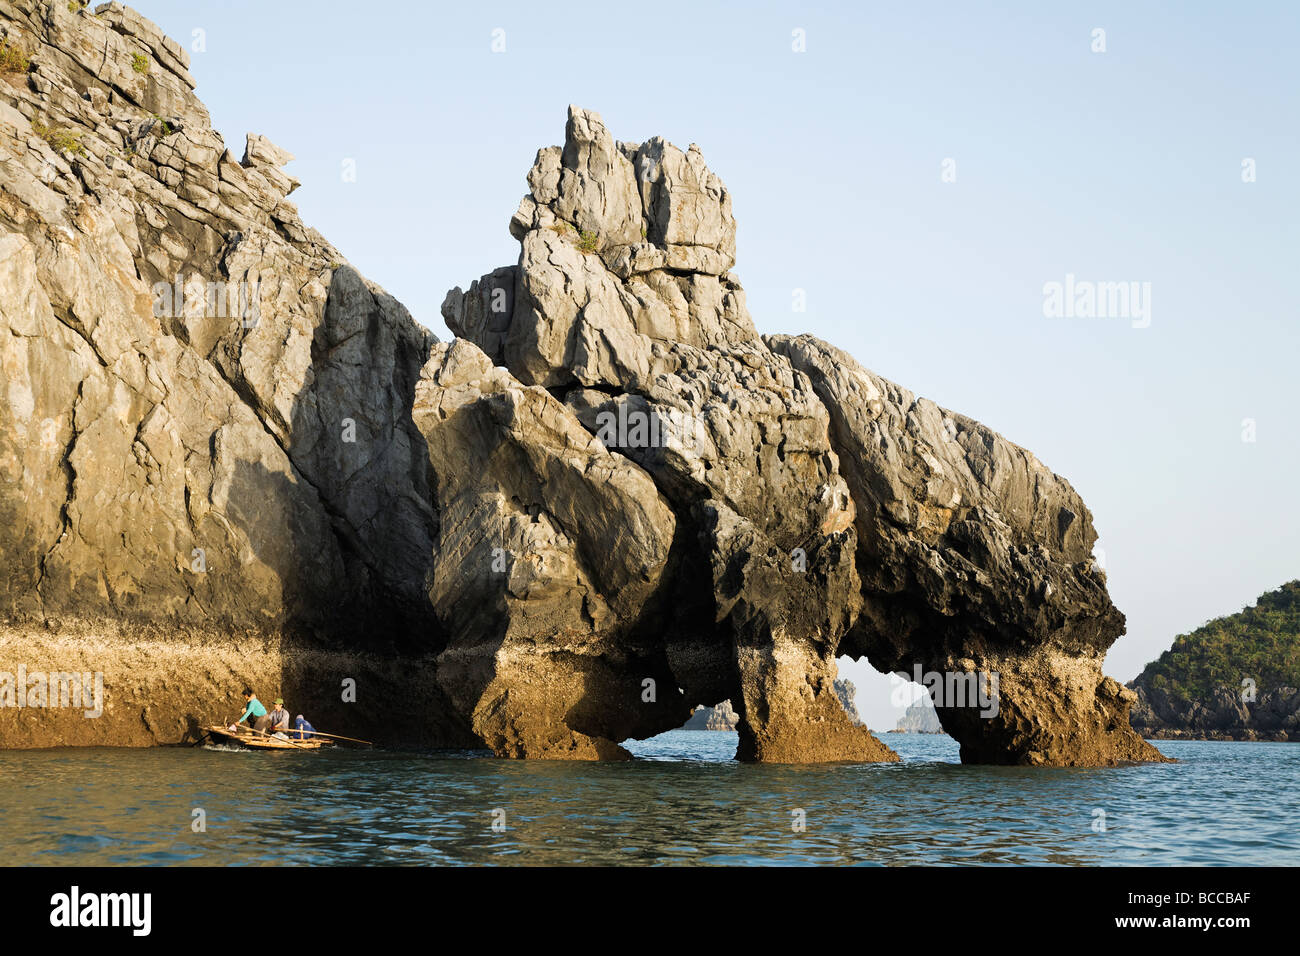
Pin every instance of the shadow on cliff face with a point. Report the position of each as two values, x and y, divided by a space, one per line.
348 534
193 729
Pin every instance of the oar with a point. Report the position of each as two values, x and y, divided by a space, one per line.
319 733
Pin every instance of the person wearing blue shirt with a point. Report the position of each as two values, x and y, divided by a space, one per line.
302 730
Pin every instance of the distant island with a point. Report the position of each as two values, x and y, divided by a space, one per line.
721 717
724 716
1234 678
920 718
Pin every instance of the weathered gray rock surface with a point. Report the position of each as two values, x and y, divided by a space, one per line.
550 551
833 512
623 308
848 694
207 455
226 457
975 559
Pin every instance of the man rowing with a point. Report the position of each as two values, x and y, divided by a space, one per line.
254 713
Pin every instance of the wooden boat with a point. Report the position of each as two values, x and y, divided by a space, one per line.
254 741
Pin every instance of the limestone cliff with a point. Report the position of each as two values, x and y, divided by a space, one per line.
209 474
227 458
623 307
848 694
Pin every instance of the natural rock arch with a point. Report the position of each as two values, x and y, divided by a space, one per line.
836 513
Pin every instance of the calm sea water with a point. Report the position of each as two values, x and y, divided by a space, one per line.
685 801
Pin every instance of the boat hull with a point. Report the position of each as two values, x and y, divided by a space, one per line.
254 742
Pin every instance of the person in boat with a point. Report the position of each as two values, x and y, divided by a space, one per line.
279 717
301 729
254 713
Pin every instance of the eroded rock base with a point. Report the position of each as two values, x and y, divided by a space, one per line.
1052 709
792 712
159 690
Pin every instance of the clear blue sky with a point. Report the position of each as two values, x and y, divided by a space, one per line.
1114 166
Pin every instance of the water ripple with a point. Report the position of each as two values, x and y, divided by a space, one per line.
684 801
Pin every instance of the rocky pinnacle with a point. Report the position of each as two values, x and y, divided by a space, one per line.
820 511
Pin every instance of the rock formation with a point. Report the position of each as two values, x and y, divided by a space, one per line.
549 549
622 306
209 474
721 717
847 694
834 512
227 457
1222 714
919 718
975 559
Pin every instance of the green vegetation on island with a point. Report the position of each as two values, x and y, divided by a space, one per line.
1236 677
1260 643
